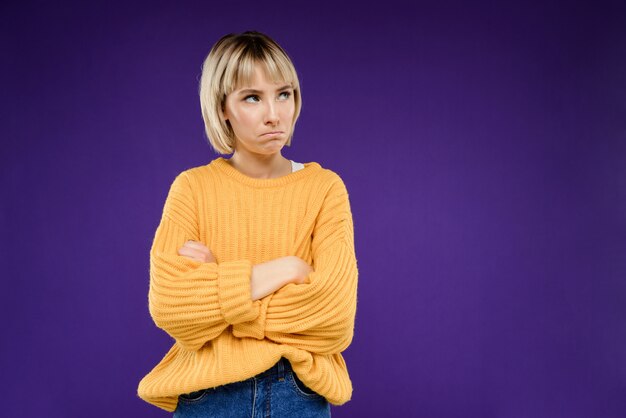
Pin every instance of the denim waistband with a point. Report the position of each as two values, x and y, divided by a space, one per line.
279 369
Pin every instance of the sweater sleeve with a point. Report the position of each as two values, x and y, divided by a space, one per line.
318 316
193 301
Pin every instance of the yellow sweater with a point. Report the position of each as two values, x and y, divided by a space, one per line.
220 334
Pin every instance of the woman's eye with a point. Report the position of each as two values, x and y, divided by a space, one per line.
252 98
285 95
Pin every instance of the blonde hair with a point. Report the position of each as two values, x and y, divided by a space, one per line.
230 63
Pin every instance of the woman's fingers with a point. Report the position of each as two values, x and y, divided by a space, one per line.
197 245
192 253
197 251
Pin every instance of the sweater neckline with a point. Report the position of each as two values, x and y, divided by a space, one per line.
222 164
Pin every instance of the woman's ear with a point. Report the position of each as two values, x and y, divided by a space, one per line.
223 115
222 110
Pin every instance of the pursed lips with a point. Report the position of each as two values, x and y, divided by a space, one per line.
272 133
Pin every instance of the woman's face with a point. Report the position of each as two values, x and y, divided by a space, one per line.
261 114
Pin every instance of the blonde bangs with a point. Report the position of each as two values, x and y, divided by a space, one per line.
242 67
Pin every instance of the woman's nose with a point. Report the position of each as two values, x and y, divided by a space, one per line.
271 114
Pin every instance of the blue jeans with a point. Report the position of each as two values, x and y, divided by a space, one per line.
276 392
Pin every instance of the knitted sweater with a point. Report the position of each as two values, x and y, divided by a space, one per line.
220 334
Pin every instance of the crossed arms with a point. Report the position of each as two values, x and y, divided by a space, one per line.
194 298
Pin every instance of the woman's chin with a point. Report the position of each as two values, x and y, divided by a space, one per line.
274 145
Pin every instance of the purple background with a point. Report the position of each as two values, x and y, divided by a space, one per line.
483 146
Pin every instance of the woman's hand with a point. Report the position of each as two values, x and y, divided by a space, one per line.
197 251
270 276
301 270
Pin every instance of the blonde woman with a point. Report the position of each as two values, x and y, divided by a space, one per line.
252 269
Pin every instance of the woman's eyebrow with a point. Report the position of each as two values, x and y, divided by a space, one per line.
254 91
249 91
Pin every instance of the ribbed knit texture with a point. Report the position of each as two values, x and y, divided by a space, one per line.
222 336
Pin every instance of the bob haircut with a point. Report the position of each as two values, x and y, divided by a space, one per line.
229 65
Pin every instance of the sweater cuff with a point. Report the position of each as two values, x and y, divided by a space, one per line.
234 294
255 328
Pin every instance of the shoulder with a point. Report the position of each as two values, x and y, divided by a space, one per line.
195 177
331 181
330 175
187 184
199 171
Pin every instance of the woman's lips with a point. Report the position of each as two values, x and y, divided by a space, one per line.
273 133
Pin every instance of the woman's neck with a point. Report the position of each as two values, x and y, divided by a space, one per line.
266 167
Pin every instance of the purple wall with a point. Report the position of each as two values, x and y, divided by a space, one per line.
483 146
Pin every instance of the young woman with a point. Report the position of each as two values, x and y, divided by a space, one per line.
252 269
